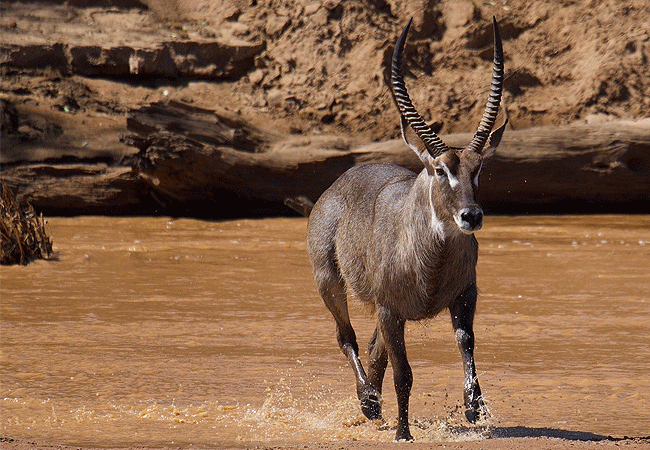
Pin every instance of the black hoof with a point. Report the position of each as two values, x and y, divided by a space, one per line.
371 405
404 435
472 415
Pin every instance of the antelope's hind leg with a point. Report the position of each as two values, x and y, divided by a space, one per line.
323 223
332 291
336 301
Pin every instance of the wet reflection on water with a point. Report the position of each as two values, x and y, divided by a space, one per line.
158 331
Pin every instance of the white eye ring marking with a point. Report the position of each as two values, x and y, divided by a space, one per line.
453 181
478 173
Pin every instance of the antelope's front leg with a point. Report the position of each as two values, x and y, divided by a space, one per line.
392 330
462 318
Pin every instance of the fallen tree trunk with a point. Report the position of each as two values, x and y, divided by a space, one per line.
194 156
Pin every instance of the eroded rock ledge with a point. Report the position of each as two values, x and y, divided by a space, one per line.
217 59
200 162
192 155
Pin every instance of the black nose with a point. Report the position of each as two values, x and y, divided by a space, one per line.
473 217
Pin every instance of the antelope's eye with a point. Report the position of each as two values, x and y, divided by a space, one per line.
440 172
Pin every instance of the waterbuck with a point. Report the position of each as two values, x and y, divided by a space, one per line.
403 243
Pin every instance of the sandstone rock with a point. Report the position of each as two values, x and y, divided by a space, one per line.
223 58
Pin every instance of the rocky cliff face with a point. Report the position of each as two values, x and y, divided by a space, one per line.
77 78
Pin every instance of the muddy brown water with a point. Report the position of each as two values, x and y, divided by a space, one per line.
169 332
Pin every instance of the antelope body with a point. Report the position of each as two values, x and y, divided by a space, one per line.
403 243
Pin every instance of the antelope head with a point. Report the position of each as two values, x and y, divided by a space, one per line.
453 172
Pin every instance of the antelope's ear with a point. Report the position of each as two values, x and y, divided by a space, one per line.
412 140
494 140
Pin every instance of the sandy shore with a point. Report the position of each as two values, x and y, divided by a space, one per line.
529 439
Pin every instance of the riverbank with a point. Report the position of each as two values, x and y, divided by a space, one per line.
279 89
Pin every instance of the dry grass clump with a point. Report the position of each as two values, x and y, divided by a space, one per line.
23 233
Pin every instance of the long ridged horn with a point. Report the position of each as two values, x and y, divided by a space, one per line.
492 107
432 142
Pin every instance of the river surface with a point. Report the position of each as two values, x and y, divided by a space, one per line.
157 331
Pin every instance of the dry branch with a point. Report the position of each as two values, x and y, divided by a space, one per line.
22 232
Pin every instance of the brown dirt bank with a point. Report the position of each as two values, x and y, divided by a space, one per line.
72 73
